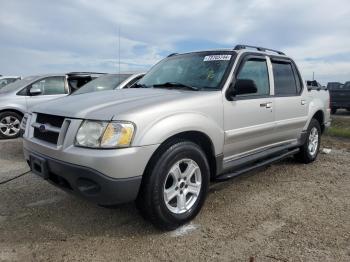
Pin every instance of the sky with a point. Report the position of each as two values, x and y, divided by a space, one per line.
80 35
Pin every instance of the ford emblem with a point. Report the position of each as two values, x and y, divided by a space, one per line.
42 128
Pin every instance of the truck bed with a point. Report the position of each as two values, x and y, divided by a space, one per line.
340 97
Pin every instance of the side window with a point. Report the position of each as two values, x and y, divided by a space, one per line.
256 70
285 83
50 85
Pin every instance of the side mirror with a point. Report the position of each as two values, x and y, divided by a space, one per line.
242 87
35 91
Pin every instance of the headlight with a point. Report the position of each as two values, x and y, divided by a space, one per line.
100 134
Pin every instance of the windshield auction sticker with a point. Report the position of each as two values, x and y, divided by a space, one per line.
216 58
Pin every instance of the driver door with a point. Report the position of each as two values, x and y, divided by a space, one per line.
249 118
50 88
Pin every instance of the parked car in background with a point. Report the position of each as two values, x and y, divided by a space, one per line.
340 96
314 85
5 80
193 117
106 82
110 82
16 98
334 85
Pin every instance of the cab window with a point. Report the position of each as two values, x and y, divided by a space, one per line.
284 79
256 70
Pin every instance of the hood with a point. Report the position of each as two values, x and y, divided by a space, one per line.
106 104
5 96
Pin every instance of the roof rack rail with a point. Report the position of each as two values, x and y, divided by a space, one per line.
81 73
172 54
263 49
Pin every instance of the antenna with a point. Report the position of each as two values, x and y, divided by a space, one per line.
119 50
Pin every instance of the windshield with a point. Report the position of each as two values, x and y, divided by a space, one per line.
6 81
103 83
203 70
17 84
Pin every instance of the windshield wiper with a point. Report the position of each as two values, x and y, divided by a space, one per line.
137 85
175 84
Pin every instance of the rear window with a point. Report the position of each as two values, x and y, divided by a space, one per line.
284 79
334 85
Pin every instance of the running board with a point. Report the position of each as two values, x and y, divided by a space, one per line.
262 163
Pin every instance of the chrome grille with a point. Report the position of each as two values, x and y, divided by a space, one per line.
53 120
48 127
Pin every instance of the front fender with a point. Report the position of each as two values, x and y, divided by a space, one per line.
12 107
159 131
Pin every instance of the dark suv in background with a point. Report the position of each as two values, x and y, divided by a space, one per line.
340 96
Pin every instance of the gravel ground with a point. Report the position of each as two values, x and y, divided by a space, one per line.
284 212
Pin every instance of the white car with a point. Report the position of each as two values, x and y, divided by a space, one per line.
5 80
17 98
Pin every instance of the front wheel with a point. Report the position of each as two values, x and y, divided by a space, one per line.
309 151
9 124
175 186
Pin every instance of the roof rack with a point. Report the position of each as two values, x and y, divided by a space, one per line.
85 73
172 54
263 49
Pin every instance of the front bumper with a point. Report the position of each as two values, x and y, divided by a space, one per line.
113 163
84 181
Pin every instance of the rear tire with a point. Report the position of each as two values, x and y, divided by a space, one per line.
175 185
10 125
333 110
309 151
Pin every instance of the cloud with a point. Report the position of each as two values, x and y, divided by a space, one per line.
41 37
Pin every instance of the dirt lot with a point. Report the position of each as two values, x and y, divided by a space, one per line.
285 212
342 113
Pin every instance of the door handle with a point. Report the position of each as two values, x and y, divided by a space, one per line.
303 102
267 105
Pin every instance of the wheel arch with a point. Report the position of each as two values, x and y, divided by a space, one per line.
316 111
13 111
319 116
199 138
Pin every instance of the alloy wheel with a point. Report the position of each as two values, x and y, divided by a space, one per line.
182 186
9 126
313 141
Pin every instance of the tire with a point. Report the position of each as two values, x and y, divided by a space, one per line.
160 177
309 151
10 124
333 110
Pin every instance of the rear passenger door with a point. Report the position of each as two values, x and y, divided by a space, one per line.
249 119
290 105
